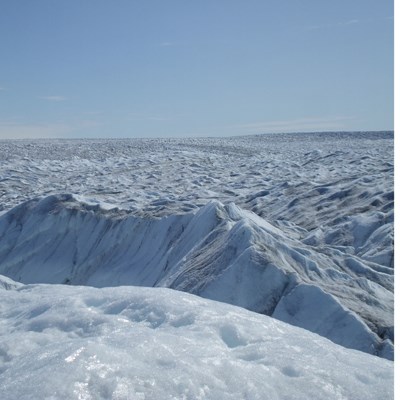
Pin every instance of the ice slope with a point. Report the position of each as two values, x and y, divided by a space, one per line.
73 342
220 252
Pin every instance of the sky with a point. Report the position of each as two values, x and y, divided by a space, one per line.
187 68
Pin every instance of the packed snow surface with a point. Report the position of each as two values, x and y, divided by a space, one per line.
75 342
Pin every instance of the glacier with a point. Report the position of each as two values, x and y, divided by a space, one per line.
297 227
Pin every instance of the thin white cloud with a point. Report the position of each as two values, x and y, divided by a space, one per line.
149 117
16 130
19 129
335 24
350 22
53 98
167 44
93 113
295 125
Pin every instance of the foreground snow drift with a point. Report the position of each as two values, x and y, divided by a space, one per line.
59 341
219 252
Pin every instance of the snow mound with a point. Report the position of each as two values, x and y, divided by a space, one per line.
220 252
59 341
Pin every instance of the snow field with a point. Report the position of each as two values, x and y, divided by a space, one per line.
149 343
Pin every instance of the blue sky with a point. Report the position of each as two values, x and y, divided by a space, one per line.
156 68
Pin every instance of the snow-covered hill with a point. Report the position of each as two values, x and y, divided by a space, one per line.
72 342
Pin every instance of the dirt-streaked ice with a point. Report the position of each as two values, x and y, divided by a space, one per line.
219 252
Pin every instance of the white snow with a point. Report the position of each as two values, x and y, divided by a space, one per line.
294 226
73 342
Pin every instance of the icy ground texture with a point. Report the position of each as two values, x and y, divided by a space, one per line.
309 238
71 342
318 187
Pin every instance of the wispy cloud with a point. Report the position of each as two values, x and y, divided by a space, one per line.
53 98
295 125
350 22
354 21
335 24
167 44
19 130
93 113
150 117
170 43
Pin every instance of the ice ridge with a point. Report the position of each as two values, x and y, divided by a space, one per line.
220 252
